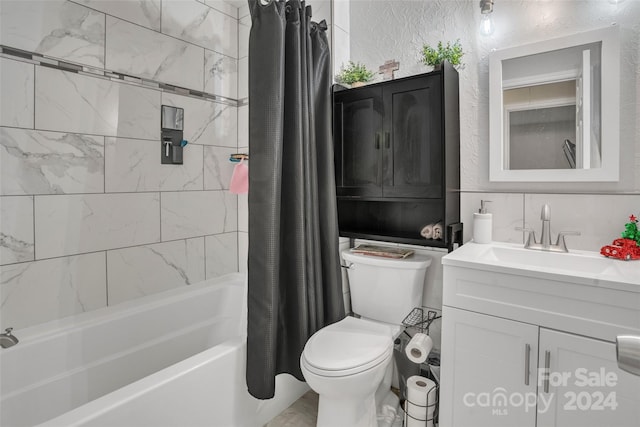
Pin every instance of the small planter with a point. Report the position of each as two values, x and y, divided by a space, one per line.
354 75
435 56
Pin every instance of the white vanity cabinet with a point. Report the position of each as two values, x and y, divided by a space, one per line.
593 392
486 356
496 376
526 347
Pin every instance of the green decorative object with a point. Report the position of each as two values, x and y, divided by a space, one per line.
435 56
631 230
354 72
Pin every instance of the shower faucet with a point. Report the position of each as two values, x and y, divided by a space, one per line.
544 244
7 340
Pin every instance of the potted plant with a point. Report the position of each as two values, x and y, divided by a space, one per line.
354 74
434 57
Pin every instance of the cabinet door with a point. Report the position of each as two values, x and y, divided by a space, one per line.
488 363
358 142
586 388
413 159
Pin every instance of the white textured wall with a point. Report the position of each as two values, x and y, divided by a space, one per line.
391 29
382 30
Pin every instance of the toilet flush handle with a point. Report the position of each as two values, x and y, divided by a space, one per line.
348 266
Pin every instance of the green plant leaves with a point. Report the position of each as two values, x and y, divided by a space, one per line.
354 72
451 52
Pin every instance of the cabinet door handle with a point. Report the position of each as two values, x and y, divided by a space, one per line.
387 140
377 143
527 357
547 369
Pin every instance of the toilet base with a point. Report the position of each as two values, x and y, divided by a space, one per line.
347 412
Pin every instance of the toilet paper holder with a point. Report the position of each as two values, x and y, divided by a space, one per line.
413 411
420 319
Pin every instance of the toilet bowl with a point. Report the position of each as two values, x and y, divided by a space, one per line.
345 364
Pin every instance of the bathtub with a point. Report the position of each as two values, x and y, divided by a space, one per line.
172 359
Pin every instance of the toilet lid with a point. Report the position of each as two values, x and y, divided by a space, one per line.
348 347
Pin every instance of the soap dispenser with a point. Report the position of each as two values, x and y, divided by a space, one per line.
482 224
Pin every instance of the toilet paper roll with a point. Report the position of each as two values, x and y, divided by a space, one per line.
418 419
417 350
427 231
413 422
437 231
416 412
421 401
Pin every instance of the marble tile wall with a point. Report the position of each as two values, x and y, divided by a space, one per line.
152 55
143 270
36 292
56 28
141 12
599 218
88 215
70 102
17 88
201 25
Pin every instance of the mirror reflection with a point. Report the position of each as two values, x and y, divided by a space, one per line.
551 104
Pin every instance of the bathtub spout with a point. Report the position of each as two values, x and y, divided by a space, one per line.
7 340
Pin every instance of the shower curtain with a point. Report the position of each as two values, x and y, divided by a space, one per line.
295 283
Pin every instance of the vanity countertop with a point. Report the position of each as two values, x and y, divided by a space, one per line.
579 267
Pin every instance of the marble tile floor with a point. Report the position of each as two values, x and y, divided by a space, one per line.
302 413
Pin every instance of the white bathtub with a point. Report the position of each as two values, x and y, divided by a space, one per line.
171 359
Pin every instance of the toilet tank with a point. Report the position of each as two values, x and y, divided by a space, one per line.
385 289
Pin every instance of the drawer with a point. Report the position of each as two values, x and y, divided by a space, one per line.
587 310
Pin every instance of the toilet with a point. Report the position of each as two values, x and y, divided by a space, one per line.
349 363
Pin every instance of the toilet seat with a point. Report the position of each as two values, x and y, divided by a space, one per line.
347 347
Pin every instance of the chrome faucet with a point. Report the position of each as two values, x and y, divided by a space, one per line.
7 340
545 239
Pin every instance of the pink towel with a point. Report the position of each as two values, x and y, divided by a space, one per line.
240 179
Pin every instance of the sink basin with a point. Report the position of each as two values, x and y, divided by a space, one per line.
572 262
580 266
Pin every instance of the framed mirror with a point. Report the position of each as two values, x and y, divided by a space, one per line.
554 110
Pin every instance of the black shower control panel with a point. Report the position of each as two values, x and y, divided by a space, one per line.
172 141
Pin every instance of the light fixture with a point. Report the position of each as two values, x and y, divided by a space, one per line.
486 23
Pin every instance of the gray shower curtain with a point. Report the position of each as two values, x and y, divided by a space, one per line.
295 283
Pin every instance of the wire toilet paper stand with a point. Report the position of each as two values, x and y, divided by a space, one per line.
415 413
418 319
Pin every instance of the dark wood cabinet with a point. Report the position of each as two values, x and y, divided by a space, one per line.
397 158
358 132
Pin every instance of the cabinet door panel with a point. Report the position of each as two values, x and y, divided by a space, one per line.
413 161
483 359
585 384
358 142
